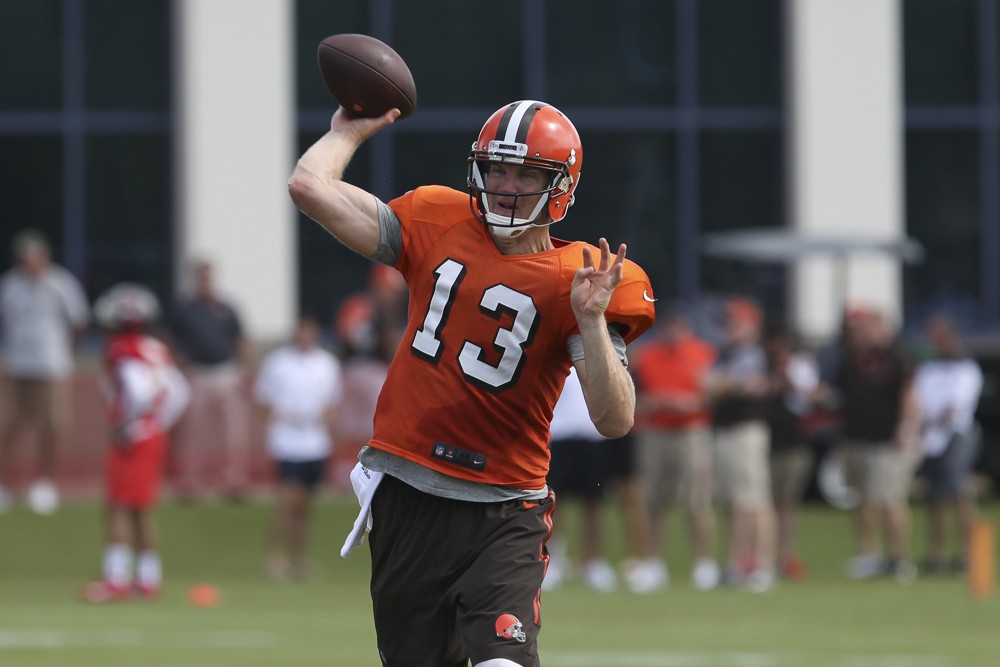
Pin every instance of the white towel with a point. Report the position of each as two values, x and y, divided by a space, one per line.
365 482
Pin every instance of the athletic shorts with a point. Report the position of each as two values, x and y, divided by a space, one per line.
579 468
134 473
621 458
948 473
676 467
454 581
307 473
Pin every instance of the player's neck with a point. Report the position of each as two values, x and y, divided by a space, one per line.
535 239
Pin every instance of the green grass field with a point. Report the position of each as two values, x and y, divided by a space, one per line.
825 621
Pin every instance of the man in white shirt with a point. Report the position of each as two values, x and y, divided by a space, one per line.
299 386
948 389
42 309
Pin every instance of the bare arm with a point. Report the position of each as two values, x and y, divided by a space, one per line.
607 386
344 210
908 429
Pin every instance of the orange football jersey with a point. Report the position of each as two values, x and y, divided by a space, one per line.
471 389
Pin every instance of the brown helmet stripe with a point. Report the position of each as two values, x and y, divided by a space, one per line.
516 120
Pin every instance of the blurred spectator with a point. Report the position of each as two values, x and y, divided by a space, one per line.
880 428
368 327
947 389
364 371
42 309
388 293
794 383
643 569
299 386
584 465
829 354
738 386
579 469
674 437
146 395
214 435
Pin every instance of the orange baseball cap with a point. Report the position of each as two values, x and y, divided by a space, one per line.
741 310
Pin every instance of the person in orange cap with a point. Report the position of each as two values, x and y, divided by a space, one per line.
737 387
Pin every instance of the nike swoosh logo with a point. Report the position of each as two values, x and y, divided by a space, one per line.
647 297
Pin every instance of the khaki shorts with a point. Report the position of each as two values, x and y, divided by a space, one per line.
790 473
743 473
880 471
676 467
42 402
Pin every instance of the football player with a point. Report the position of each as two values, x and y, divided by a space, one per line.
146 394
452 483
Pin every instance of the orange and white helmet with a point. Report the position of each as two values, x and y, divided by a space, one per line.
533 134
126 304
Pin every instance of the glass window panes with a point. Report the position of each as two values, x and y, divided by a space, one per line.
127 55
610 53
739 52
742 186
741 179
940 46
942 211
31 37
467 53
315 20
433 158
626 194
31 196
129 233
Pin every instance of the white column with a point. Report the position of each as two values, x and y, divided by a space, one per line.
235 147
845 110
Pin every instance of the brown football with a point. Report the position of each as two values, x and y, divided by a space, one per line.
366 76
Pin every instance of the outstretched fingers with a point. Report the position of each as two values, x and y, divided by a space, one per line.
620 257
605 265
619 266
605 254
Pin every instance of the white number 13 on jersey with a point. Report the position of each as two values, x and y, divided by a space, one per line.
496 301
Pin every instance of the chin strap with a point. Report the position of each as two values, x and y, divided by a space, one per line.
508 232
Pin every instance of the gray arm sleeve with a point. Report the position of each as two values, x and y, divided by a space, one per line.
390 240
575 345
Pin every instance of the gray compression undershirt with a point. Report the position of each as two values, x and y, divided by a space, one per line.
390 238
575 345
444 486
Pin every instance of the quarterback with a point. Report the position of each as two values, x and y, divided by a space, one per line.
452 483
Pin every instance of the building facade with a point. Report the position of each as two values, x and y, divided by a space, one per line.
141 134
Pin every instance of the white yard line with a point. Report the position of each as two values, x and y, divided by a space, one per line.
735 659
122 638
58 639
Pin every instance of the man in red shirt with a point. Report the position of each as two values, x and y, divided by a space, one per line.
674 436
499 311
